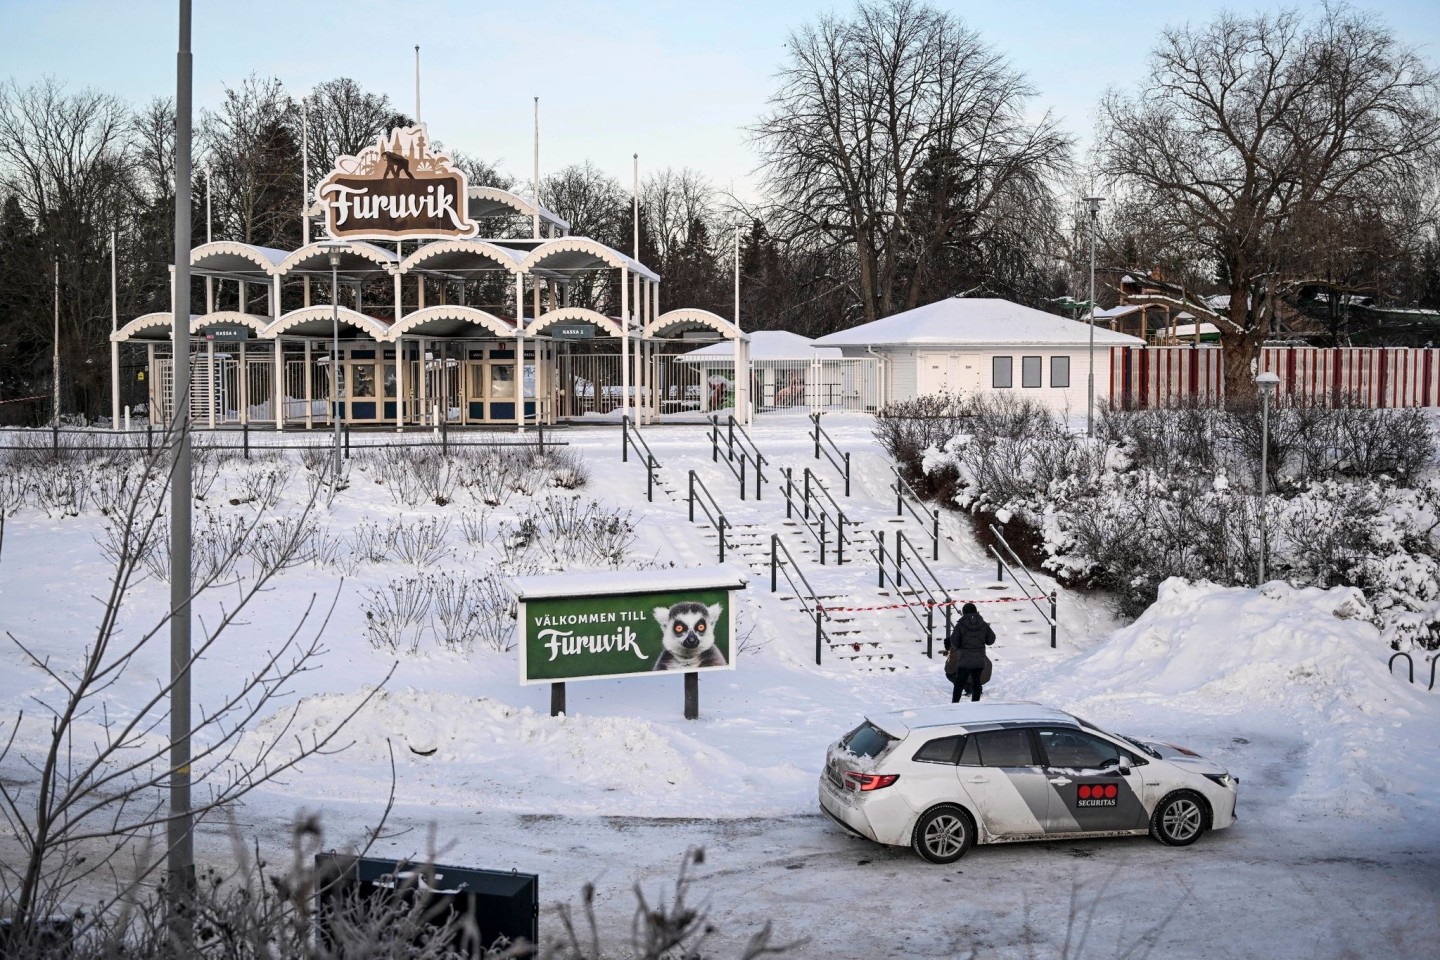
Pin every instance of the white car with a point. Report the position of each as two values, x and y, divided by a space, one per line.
942 778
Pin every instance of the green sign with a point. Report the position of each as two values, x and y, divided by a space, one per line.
600 630
573 331
227 331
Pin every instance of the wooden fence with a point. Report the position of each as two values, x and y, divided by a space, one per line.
1143 377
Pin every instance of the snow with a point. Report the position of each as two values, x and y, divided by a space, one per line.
764 345
977 320
1287 687
628 581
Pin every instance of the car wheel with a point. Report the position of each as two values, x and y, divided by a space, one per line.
942 835
1180 819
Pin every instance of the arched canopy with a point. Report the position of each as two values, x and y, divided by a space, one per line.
316 321
676 323
485 202
575 254
463 258
356 256
151 327
240 260
545 321
256 322
451 320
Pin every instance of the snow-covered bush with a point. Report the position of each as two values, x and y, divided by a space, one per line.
1161 493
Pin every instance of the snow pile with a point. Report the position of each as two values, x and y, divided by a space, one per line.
1303 664
481 751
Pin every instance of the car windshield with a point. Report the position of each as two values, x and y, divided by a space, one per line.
867 740
1148 751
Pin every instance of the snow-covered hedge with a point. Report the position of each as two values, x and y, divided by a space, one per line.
1162 493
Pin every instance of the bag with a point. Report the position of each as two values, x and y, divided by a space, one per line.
986 670
951 668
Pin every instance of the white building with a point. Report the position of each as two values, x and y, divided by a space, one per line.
969 345
787 370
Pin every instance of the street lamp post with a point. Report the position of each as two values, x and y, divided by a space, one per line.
1094 205
1267 382
335 405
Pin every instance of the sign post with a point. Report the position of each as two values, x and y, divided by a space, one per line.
623 624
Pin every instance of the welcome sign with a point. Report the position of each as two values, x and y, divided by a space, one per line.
397 187
592 626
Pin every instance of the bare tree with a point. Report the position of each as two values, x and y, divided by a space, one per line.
64 157
898 137
344 118
252 146
1247 130
96 787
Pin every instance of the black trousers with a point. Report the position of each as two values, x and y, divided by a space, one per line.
967 680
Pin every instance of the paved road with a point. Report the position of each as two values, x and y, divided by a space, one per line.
1316 889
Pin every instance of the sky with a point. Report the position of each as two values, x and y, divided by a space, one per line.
677 83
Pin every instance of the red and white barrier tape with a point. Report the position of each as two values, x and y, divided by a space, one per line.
927 603
38 396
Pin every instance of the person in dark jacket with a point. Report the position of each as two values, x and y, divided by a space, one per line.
969 638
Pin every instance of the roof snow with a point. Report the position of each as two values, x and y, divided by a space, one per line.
977 320
765 345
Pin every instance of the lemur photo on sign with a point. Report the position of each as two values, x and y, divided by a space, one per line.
620 632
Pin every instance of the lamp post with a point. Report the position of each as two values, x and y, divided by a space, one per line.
1267 382
334 250
1094 205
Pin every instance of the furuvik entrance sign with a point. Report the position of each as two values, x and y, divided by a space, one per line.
593 626
398 187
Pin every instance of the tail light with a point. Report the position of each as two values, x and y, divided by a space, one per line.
870 781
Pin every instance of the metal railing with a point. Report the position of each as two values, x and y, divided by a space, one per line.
248 439
631 435
712 509
921 580
1002 568
737 439
808 601
816 519
1409 662
824 445
932 523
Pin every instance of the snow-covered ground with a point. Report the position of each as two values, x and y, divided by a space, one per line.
1336 853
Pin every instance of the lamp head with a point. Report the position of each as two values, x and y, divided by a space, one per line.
1268 382
1093 204
334 248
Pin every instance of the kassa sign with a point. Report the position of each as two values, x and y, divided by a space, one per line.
398 187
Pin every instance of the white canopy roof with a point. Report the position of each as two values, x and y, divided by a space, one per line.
764 345
976 321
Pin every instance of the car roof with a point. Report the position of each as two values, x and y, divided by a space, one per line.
967 714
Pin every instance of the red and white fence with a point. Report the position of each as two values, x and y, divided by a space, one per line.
1376 376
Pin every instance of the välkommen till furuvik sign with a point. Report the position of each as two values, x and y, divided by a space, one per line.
398 187
589 637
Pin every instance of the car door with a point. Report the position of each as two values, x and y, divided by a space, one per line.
1095 784
1005 783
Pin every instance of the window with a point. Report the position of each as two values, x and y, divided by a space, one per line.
943 750
970 755
502 381
1005 748
1059 371
1079 750
867 740
477 380
1030 371
390 380
364 376
1002 373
